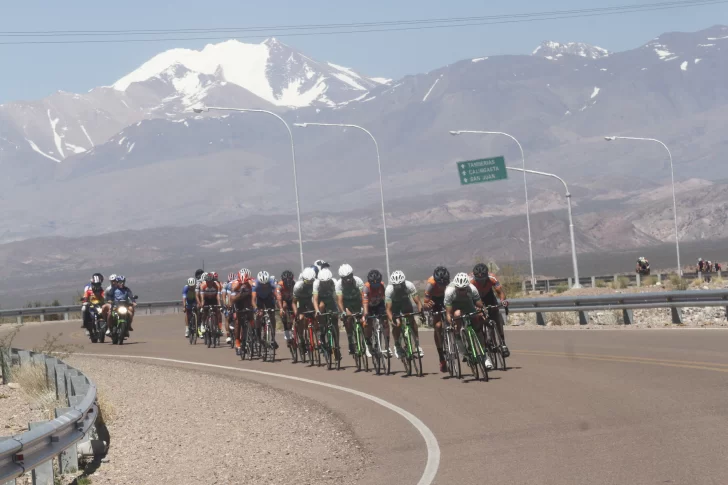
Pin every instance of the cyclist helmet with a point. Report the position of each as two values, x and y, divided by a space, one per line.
191 282
345 270
97 279
121 279
215 276
461 280
287 277
209 277
480 271
374 277
321 264
263 277
112 278
397 278
325 275
700 259
442 276
231 277
308 275
199 273
244 274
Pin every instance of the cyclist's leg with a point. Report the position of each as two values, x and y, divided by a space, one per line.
349 324
270 307
496 316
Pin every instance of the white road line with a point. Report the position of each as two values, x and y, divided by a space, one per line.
433 448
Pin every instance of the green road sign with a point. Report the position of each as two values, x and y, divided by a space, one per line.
483 170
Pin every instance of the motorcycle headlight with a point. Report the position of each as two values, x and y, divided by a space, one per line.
122 310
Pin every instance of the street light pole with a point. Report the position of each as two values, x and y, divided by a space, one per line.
571 219
672 178
525 190
293 158
379 166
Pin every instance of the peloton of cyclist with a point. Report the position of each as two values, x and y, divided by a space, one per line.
349 300
461 297
398 298
264 298
488 285
435 302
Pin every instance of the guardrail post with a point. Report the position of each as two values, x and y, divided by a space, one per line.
19 320
548 286
24 357
6 361
628 317
639 280
70 373
43 473
659 278
523 286
68 461
700 275
61 393
42 317
540 319
79 386
615 280
569 282
676 315
65 315
593 282
50 365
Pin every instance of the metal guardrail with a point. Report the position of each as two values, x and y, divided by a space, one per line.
35 449
675 300
44 312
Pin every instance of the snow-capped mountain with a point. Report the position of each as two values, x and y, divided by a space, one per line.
271 70
553 50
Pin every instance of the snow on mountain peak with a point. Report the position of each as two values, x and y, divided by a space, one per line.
270 70
551 50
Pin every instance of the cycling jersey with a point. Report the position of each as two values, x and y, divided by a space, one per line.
486 286
285 292
399 295
188 294
302 291
265 290
372 296
453 296
434 291
210 290
243 289
351 291
325 290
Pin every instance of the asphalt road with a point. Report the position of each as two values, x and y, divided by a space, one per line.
623 406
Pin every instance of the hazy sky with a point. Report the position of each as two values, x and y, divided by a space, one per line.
34 71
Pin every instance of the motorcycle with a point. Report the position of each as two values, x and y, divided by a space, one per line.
97 325
119 320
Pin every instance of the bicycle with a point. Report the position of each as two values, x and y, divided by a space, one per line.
192 324
381 357
474 354
311 344
494 343
360 343
247 347
330 345
450 347
295 341
267 348
212 332
231 324
411 357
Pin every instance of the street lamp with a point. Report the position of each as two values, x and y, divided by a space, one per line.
293 157
525 189
571 220
379 166
672 177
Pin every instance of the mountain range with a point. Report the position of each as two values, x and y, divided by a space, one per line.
136 147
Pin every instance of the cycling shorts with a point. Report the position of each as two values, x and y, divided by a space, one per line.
287 305
209 300
329 304
378 309
190 304
268 302
354 306
243 303
466 306
438 303
304 306
402 307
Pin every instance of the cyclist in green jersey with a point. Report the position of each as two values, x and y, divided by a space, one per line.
398 298
349 299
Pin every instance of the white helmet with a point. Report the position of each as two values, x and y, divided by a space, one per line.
397 278
320 263
191 282
700 259
308 274
461 280
245 272
263 277
325 275
345 270
112 278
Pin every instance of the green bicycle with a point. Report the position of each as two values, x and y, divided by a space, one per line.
360 344
412 358
330 343
473 353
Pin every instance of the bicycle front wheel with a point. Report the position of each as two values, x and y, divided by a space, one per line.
192 326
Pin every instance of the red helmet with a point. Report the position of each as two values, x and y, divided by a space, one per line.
232 276
215 276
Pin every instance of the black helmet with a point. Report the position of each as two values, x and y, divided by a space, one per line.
287 276
374 277
480 271
209 277
97 278
198 273
442 276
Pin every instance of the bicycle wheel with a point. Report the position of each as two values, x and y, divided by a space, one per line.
250 341
492 348
357 350
499 350
192 326
215 331
376 354
416 358
293 347
329 350
311 345
472 363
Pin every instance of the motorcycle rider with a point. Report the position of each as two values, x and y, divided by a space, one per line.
96 278
93 291
118 292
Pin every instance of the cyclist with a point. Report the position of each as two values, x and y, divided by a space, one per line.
434 301
284 295
189 301
372 296
94 291
264 298
324 298
398 298
208 294
241 296
228 311
488 286
95 282
303 298
349 300
643 266
462 297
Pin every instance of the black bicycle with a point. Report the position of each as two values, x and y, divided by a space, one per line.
494 342
211 326
192 326
330 345
450 347
381 357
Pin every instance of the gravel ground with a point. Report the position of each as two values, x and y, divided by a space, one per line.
174 426
16 411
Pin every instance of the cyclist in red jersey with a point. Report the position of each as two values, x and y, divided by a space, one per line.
241 297
209 294
488 286
284 295
434 301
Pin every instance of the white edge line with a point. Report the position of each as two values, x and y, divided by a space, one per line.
433 448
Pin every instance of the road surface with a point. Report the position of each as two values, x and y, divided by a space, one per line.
620 406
